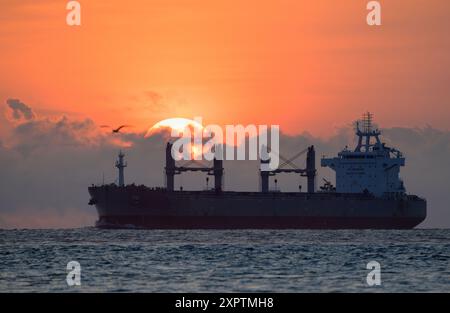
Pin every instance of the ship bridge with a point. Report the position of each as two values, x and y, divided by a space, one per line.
372 167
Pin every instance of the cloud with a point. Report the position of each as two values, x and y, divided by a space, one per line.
20 110
44 133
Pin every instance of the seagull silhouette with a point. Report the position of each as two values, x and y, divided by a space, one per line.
117 129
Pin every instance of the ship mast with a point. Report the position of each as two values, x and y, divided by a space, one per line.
121 164
365 131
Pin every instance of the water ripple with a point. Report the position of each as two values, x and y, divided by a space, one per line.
224 261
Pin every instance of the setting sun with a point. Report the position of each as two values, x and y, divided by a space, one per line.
178 123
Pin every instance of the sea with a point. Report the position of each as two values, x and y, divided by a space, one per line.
224 260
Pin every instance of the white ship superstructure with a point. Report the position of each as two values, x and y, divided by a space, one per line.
372 167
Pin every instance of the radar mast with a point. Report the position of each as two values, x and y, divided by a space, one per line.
365 130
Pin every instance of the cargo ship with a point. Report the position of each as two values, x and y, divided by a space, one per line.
368 194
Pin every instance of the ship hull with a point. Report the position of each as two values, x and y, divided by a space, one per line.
141 207
189 222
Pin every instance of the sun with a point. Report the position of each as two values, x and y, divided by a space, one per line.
176 123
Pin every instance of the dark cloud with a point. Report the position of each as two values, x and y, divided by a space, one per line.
44 133
20 110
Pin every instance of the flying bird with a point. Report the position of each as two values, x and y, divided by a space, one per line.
117 129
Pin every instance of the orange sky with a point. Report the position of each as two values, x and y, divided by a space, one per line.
306 65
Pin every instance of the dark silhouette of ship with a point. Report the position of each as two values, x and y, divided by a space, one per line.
368 195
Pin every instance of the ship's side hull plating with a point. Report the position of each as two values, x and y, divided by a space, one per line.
126 207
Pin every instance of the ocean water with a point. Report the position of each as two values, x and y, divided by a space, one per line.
224 261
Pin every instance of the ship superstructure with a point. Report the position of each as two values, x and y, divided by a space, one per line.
372 167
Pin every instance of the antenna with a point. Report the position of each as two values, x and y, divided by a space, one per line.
367 122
